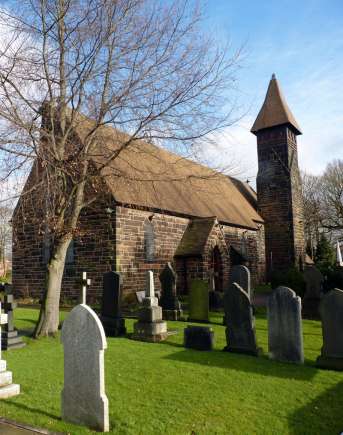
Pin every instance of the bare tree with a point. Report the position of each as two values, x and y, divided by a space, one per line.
5 237
323 203
331 196
143 67
312 210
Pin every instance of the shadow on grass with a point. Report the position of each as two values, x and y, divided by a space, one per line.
244 363
26 332
26 320
33 410
322 415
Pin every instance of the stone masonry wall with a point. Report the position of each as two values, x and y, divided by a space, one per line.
279 197
111 235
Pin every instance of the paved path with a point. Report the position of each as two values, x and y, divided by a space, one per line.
8 427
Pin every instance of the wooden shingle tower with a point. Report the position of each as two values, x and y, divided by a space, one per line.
278 182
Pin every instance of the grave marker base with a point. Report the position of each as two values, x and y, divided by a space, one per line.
151 332
199 338
172 314
330 363
11 340
113 327
7 389
245 351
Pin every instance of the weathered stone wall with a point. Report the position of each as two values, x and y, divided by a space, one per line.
92 251
279 197
115 235
131 255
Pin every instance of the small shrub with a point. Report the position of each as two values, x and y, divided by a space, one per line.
333 277
291 278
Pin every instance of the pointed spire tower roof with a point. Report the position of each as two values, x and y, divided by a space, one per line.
274 110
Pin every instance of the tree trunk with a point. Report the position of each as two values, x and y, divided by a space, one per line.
50 307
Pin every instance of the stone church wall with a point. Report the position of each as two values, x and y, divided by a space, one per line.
116 237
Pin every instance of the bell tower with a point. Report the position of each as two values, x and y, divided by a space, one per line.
278 182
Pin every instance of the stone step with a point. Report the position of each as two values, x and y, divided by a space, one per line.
5 378
9 391
2 365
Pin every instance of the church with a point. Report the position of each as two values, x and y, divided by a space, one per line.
201 221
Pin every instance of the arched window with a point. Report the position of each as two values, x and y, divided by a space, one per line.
70 256
149 241
244 245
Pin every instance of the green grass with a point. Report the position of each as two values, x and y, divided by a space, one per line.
165 389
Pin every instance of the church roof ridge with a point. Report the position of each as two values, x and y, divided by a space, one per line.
274 110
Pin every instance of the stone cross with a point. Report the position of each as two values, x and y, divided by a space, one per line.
86 282
284 326
3 321
83 397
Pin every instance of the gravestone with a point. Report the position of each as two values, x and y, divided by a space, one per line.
140 296
199 337
150 326
198 301
241 275
9 336
83 397
240 322
171 307
331 313
314 282
7 389
111 318
285 337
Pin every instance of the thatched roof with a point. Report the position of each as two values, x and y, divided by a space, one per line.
275 110
148 176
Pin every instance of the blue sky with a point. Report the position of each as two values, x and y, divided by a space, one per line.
302 43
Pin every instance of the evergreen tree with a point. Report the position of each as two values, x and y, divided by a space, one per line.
325 254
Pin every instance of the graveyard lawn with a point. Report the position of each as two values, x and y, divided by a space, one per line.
156 388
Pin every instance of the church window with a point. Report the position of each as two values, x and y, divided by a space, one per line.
70 256
149 240
46 248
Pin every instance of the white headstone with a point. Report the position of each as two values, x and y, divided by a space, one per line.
7 389
150 298
83 397
339 255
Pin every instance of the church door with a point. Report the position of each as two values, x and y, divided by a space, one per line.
217 268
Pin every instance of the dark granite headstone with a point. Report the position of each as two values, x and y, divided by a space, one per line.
314 283
111 318
331 313
169 302
241 275
240 322
199 338
9 336
285 337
